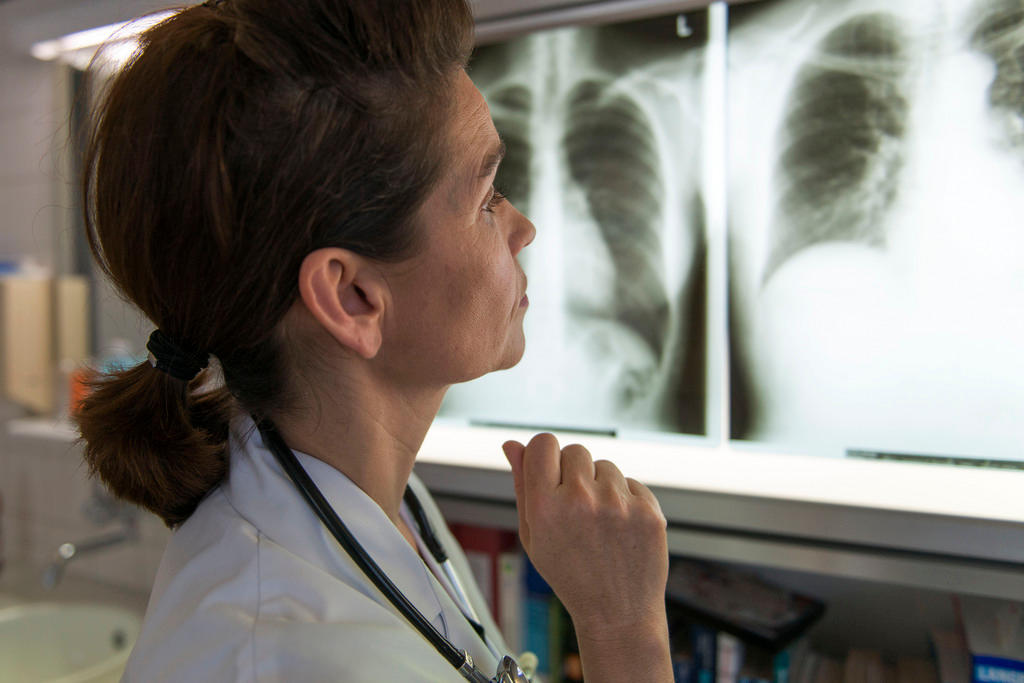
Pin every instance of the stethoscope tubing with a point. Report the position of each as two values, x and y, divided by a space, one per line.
325 512
441 557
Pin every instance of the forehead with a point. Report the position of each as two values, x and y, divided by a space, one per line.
470 140
474 134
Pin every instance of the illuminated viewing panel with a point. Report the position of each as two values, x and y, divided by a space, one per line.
871 260
603 129
876 195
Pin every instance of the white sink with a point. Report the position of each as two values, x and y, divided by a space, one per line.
65 642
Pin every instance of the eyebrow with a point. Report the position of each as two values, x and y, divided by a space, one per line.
492 160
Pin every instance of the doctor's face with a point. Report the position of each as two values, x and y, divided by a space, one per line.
458 305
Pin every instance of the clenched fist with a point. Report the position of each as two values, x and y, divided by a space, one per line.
598 539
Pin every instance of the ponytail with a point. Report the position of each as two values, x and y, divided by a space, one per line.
154 440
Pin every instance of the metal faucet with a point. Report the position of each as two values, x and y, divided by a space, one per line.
101 509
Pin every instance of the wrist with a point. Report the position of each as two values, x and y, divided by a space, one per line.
605 629
636 652
636 633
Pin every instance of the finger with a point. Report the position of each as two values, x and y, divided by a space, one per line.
541 465
577 465
641 491
514 453
608 474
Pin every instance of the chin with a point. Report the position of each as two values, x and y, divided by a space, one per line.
516 352
509 359
514 360
511 356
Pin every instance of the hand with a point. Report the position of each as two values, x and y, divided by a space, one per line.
596 537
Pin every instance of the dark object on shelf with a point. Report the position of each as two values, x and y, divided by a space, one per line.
740 603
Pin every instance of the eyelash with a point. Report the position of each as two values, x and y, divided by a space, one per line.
495 200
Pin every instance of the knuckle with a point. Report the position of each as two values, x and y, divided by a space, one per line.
614 507
582 499
652 520
575 449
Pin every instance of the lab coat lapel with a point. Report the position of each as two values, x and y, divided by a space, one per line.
262 492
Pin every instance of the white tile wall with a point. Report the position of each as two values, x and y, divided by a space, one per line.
43 482
33 143
27 146
45 487
25 85
28 214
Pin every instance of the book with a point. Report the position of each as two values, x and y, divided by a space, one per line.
536 634
818 668
916 670
740 603
829 670
756 665
704 643
483 547
867 666
728 658
786 661
994 638
951 658
806 669
511 590
682 667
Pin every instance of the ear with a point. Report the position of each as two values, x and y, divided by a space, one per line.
346 295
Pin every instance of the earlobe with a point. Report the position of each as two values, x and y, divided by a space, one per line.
345 295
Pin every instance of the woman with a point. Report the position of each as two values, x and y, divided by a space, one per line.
300 195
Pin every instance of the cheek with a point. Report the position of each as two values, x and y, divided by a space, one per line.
504 283
486 277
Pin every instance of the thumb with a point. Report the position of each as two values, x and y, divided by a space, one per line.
514 453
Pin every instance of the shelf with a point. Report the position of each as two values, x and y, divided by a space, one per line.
57 429
928 526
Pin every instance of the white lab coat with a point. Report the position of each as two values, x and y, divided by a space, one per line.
253 587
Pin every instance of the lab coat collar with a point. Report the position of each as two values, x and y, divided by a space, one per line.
261 492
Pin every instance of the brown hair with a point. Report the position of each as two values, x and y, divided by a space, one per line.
239 138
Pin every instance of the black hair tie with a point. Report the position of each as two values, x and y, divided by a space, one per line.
170 357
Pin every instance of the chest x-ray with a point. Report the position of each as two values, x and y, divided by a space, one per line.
603 130
876 195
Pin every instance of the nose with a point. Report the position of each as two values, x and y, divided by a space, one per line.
522 232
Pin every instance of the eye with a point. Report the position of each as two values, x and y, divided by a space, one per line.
494 200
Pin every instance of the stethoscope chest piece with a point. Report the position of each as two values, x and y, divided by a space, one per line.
509 672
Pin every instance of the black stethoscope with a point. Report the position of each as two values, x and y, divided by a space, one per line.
508 670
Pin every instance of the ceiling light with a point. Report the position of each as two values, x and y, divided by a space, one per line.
79 48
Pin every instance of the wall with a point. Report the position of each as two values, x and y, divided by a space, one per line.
45 486
32 129
43 481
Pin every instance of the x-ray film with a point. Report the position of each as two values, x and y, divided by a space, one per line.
876 188
603 127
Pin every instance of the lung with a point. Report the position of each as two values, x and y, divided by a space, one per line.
610 152
999 35
842 139
875 194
